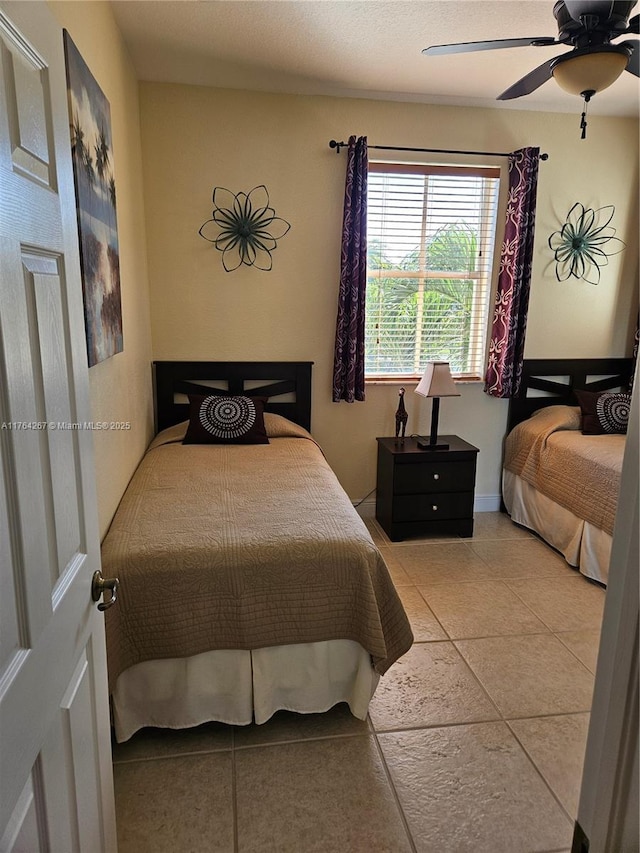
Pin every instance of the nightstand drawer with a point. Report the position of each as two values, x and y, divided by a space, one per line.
431 476
433 506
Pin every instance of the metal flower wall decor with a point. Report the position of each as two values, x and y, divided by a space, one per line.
578 245
244 228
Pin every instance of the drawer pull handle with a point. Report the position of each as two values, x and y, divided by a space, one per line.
436 476
434 508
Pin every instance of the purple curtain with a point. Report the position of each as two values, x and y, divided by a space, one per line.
348 365
506 346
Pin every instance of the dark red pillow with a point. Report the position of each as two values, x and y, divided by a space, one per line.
218 419
604 411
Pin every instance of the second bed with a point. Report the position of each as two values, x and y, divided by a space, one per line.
556 481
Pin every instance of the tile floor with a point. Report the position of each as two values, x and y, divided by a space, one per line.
474 741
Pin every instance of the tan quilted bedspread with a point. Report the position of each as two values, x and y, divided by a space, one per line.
242 547
579 472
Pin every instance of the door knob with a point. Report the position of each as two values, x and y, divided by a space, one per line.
99 585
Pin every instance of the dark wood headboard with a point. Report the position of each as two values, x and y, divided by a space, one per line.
557 378
270 379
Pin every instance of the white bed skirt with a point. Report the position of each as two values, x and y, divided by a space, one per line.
584 546
240 687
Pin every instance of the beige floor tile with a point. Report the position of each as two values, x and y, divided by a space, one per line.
321 796
424 624
471 789
556 746
398 574
484 609
521 558
497 525
287 726
564 604
584 645
441 562
527 676
429 686
175 804
163 743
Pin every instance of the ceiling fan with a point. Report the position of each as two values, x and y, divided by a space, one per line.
593 64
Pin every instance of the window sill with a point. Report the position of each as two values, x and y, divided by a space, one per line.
409 380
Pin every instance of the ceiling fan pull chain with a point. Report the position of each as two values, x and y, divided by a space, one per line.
583 118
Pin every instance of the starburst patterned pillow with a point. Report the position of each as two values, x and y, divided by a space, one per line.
604 412
218 419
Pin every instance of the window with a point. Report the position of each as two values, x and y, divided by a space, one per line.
430 245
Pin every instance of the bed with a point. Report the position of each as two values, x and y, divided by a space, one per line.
248 582
556 481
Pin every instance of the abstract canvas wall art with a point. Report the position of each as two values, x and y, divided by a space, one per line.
92 153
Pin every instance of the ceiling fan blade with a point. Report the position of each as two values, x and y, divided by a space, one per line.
530 82
634 25
634 60
497 44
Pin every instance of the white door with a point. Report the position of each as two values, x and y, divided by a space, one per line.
55 756
608 809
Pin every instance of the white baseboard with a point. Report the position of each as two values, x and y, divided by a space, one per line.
486 503
366 509
482 503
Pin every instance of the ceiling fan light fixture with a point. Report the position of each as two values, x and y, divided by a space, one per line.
590 72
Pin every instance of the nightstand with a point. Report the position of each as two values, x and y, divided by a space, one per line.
425 491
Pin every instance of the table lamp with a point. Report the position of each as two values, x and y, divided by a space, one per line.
436 382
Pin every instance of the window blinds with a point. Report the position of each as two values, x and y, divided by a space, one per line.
430 245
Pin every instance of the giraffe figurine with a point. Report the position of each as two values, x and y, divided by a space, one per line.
401 416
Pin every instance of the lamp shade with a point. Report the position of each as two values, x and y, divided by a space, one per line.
590 72
437 381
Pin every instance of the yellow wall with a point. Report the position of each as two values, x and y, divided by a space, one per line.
196 138
120 386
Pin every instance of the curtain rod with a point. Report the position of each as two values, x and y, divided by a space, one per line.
339 145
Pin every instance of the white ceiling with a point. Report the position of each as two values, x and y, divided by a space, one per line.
354 48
